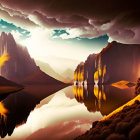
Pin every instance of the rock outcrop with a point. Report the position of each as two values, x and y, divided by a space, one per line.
20 65
114 63
124 125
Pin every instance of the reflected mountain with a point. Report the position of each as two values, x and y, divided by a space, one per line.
15 108
103 98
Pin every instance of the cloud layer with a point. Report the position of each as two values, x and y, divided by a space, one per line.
91 18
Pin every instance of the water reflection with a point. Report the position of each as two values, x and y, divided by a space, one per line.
59 117
60 112
102 98
15 108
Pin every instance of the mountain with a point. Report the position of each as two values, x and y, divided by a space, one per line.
66 76
114 63
21 67
45 67
40 77
60 64
68 73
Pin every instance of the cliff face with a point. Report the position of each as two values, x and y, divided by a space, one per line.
88 73
20 65
114 63
122 62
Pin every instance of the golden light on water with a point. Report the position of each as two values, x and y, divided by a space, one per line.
78 92
100 94
121 84
5 57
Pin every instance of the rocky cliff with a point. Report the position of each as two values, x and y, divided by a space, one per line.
114 63
20 65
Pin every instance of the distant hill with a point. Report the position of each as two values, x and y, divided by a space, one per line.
45 67
66 76
60 64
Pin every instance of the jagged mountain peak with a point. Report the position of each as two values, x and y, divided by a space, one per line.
20 65
6 36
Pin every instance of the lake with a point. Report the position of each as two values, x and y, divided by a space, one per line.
63 115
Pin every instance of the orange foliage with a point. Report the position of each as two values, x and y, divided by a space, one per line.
5 57
75 76
101 71
3 110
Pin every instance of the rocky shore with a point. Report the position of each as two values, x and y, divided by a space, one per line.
121 124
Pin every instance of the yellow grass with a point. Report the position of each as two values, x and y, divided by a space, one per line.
121 108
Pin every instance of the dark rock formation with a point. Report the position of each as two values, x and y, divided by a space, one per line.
89 69
20 64
114 63
124 125
137 89
122 62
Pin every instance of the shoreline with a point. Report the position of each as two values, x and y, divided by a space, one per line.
122 124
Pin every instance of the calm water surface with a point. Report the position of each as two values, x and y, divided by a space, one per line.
63 115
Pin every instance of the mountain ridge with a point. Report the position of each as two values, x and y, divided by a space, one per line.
114 63
20 66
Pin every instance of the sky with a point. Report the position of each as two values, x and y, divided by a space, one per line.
72 29
55 43
57 47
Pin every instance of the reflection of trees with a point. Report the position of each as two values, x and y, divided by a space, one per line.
102 98
87 97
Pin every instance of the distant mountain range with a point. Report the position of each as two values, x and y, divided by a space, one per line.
114 63
21 67
66 76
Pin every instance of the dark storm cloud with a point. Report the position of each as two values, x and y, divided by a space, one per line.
73 21
92 18
16 17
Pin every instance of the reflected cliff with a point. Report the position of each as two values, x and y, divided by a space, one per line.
15 108
103 98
